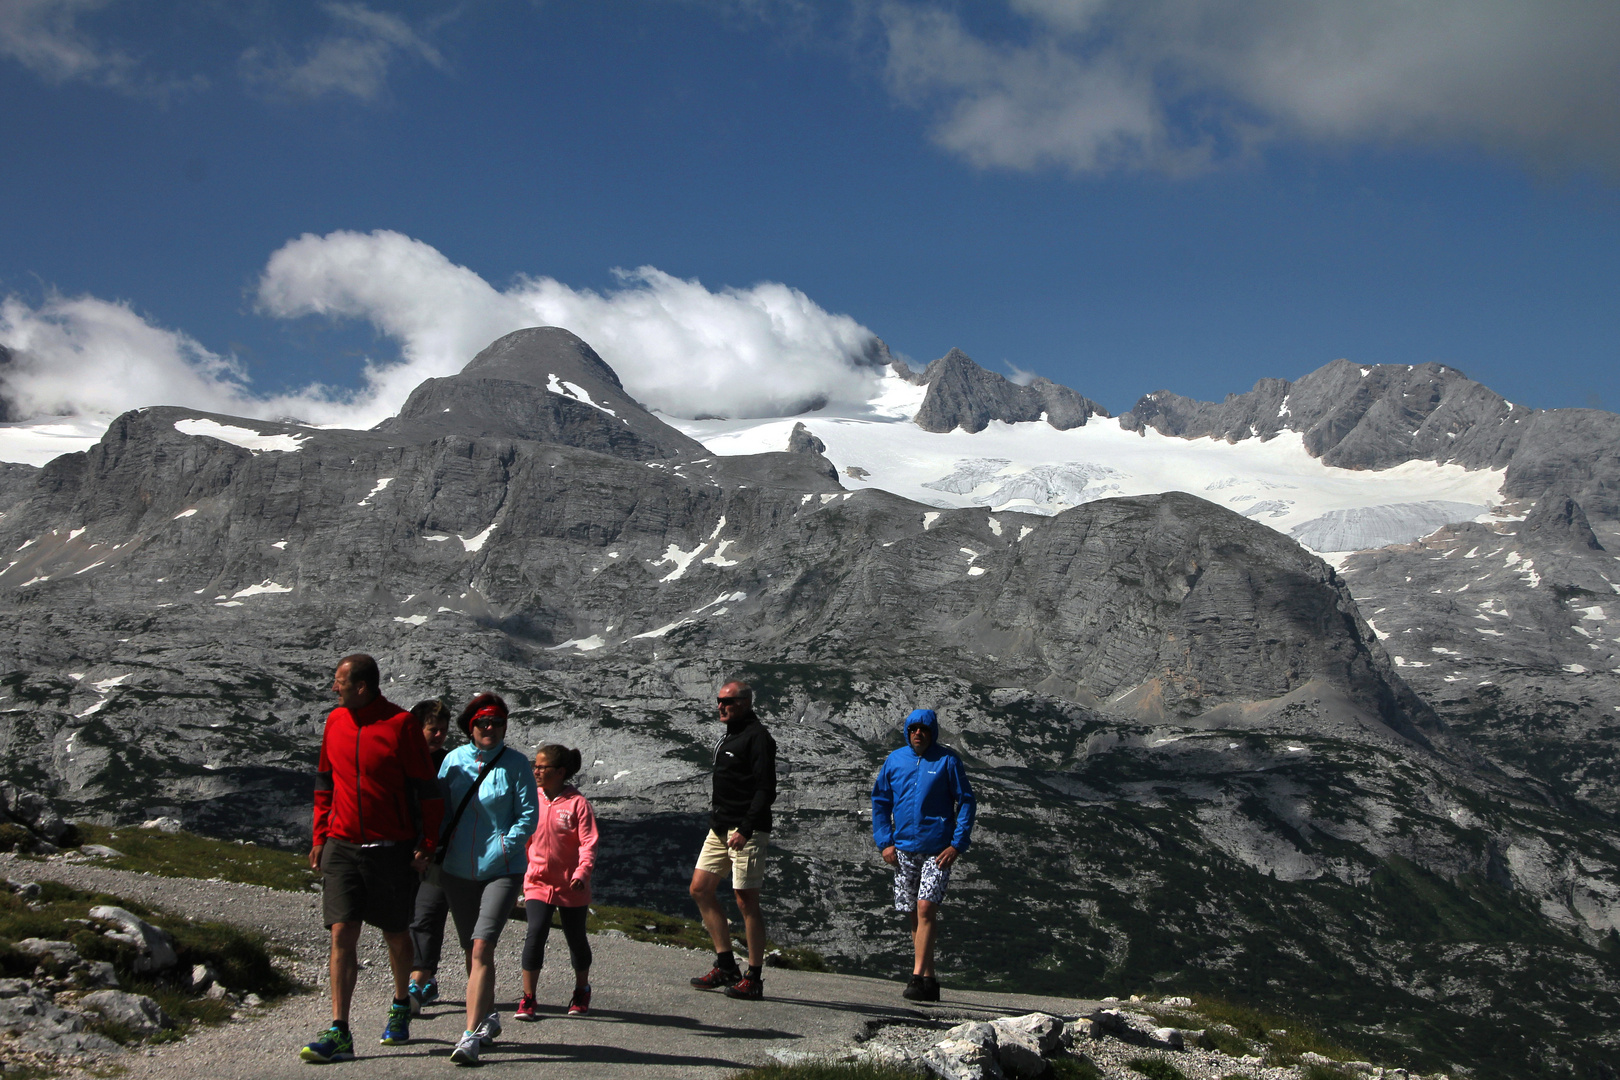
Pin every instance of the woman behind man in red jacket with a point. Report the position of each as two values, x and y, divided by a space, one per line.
562 852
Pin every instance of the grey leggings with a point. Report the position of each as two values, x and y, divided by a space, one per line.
573 923
480 908
427 928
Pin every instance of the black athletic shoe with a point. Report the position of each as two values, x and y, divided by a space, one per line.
914 990
717 978
930 989
748 988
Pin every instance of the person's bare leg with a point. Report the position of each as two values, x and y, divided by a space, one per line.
713 915
480 982
582 978
400 954
753 924
531 979
922 929
343 966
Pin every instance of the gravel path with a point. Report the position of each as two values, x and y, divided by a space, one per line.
644 1017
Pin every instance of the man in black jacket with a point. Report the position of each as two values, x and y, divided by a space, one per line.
739 824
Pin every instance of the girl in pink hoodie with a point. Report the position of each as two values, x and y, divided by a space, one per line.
562 852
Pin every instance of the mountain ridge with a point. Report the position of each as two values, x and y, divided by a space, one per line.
1189 739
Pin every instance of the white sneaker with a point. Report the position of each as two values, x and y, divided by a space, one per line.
466 1051
488 1029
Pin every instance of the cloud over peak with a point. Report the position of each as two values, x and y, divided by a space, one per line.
677 346
766 350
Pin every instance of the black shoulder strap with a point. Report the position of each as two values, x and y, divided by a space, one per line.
444 839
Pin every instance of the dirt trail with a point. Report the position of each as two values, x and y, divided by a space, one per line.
644 1017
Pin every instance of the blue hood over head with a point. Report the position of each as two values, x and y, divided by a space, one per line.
925 717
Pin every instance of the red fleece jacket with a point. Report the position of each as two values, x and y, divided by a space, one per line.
375 781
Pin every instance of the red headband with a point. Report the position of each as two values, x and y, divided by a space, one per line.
488 710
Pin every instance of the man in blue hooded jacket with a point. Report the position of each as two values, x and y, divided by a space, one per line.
922 819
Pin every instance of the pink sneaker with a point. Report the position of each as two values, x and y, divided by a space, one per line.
526 1009
580 1003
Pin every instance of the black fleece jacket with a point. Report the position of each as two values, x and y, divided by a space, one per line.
744 778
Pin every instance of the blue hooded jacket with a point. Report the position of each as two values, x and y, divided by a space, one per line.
922 803
492 838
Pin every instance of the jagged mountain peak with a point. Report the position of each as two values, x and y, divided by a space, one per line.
963 394
1558 518
1359 416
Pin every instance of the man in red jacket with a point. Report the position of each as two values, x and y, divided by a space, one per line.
377 815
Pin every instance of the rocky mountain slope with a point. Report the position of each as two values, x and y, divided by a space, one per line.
1358 416
1200 767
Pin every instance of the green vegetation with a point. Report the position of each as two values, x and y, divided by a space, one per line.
1286 1037
1075 1069
187 855
1220 1039
1323 1072
640 924
1155 1068
242 959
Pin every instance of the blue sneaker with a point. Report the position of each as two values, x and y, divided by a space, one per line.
335 1044
398 1028
423 994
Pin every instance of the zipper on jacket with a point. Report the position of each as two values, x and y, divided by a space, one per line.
359 794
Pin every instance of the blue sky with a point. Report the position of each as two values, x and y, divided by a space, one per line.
1121 196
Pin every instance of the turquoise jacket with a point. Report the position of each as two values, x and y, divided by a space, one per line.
492 838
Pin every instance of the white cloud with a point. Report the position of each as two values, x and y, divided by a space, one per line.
1175 85
46 38
82 355
676 345
1018 375
353 59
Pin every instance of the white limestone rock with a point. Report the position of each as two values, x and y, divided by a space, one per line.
156 951
137 1012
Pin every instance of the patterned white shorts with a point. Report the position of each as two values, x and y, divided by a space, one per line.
918 876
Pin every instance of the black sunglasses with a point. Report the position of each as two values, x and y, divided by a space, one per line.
733 700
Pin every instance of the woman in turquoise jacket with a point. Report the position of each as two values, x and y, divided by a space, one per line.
922 819
486 855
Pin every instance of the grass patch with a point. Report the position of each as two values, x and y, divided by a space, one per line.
26 1070
1285 1037
1155 1068
242 958
1075 1069
1223 1041
824 1071
1323 1072
640 924
186 855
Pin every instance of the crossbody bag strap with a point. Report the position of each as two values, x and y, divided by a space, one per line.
444 839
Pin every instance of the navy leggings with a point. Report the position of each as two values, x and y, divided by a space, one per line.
573 927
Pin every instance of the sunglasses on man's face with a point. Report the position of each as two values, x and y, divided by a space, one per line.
733 700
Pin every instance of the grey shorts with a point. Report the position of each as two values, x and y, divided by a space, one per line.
918 877
367 884
480 908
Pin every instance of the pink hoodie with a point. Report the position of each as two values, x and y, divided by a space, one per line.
563 847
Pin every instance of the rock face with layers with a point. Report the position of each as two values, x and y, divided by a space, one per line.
1174 715
963 394
1359 416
